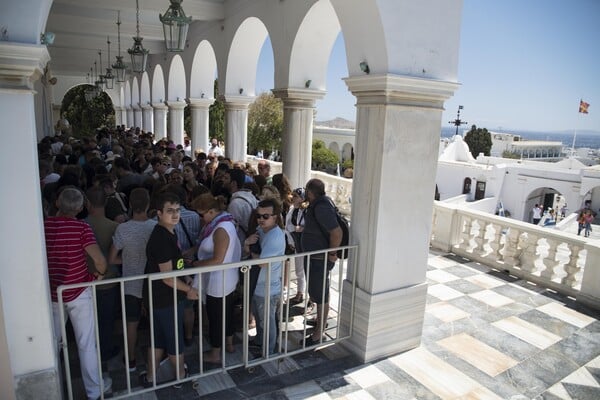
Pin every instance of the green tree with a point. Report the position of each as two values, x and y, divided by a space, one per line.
85 117
479 141
265 123
216 116
322 158
510 154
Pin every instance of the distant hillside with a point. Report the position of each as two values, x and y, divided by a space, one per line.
337 123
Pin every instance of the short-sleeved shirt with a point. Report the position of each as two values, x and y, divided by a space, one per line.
161 248
272 244
66 240
131 238
191 220
320 218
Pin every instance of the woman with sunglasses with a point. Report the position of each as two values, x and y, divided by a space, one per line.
219 244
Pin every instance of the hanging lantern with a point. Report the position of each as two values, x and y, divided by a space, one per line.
175 26
139 55
119 66
109 78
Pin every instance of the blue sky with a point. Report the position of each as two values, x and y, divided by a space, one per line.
523 65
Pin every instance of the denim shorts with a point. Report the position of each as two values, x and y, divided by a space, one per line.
164 329
315 273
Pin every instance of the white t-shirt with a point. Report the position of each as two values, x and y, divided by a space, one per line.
212 282
537 212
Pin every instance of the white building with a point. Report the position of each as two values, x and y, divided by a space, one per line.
517 184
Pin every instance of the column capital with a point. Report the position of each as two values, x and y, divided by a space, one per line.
299 97
57 107
237 102
129 107
400 90
159 106
136 107
177 105
146 107
200 103
21 65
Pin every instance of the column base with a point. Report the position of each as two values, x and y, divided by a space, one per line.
38 385
385 323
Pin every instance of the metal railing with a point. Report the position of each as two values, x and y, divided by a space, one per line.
287 335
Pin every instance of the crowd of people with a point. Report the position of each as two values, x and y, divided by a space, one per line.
120 205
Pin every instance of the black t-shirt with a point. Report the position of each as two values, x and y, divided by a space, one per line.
162 247
319 219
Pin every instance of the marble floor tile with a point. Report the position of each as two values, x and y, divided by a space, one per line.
213 383
440 276
582 377
443 292
446 312
303 391
566 314
491 298
463 286
559 391
461 271
530 333
479 354
368 376
447 382
440 262
358 395
549 323
485 281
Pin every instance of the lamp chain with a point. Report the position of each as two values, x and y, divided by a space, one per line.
137 17
119 30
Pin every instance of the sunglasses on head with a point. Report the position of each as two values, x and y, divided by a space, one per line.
264 216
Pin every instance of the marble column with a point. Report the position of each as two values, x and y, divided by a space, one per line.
298 112
28 351
397 138
236 126
137 116
147 118
120 115
130 120
160 120
200 117
176 121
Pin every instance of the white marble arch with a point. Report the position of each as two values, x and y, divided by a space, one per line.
204 72
158 85
176 88
335 147
311 49
242 58
347 150
127 94
145 89
135 92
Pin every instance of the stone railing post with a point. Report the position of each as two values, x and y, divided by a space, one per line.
446 229
590 285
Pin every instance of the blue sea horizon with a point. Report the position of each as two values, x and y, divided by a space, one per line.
584 139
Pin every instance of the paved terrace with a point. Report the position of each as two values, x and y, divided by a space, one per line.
487 335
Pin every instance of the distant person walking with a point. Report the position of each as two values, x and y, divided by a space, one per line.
537 214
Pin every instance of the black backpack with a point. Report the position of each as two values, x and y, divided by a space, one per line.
344 225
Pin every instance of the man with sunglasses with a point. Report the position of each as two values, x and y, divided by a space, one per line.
271 238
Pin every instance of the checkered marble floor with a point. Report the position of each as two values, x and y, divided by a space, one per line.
486 335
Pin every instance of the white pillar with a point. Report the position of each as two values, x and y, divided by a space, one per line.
130 121
236 126
24 285
120 115
298 112
200 118
137 117
176 121
147 118
397 138
160 121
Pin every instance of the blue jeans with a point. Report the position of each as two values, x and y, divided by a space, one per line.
258 309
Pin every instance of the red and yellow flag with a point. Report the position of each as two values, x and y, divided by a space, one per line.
583 107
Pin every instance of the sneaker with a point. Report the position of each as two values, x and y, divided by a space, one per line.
107 382
132 365
179 385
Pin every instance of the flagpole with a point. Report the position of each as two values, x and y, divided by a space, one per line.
573 146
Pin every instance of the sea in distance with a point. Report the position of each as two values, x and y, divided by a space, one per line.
584 139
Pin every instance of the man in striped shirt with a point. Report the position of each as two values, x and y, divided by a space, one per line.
68 240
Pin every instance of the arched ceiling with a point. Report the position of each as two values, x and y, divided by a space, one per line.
81 26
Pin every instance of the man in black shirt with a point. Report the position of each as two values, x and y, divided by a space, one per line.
163 255
321 231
